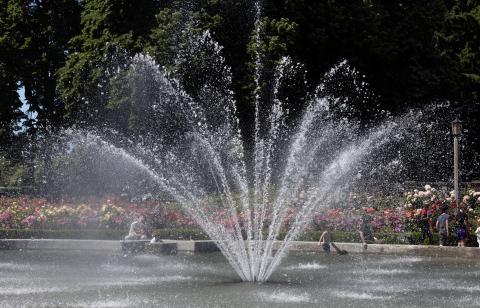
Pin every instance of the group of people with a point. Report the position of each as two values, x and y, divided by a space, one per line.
442 225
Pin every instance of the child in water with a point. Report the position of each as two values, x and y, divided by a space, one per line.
326 240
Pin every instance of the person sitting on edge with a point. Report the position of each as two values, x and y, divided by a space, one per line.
326 240
442 227
138 230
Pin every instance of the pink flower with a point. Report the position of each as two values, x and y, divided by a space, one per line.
6 218
119 219
29 220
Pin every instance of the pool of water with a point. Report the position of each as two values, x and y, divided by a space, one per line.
84 279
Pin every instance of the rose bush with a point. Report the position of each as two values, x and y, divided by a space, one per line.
17 213
387 214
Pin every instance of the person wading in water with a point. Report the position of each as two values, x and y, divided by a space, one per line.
326 240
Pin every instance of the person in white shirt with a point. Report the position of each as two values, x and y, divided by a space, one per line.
138 230
477 233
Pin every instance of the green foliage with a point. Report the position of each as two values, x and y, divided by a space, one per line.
112 31
11 174
164 38
390 42
173 30
458 40
182 46
180 234
410 238
272 40
33 40
10 114
103 234
276 38
64 53
408 51
172 42
11 41
36 34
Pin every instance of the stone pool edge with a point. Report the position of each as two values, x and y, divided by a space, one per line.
173 246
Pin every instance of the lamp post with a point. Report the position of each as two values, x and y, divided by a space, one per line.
456 132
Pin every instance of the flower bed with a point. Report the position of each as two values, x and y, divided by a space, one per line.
432 200
391 218
107 213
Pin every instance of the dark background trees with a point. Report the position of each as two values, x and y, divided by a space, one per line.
61 55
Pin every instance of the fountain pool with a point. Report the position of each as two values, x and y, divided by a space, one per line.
88 279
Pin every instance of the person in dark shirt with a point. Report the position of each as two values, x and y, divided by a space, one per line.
425 225
365 231
462 227
442 227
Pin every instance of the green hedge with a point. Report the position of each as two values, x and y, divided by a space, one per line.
94 234
197 234
100 234
180 234
354 237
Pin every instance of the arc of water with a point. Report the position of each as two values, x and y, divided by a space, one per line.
290 177
334 172
276 121
259 147
184 197
226 194
215 232
204 221
195 116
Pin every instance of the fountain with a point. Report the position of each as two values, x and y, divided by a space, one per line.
192 147
198 156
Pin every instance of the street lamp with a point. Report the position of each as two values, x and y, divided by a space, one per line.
456 132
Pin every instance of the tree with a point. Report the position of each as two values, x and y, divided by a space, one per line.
112 32
390 42
37 33
11 40
458 40
269 44
10 113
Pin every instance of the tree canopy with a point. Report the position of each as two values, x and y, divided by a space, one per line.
63 54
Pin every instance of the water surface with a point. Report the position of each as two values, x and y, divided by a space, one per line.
88 279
